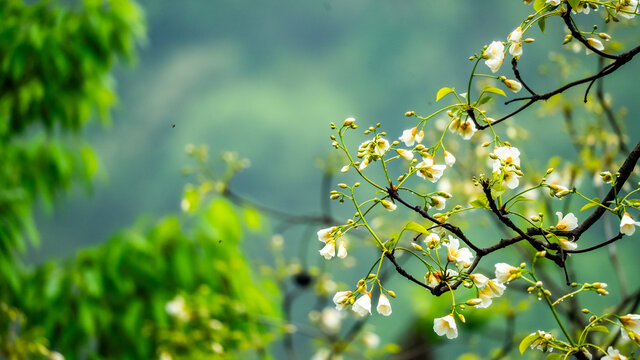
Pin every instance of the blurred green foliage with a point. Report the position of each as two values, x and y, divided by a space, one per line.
150 290
55 63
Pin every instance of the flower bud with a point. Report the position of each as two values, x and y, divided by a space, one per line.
513 85
461 317
529 40
416 246
567 39
604 36
334 196
539 284
348 121
341 185
474 302
547 292
391 293
585 311
409 113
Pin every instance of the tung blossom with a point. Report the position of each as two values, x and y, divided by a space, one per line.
438 202
494 55
595 43
362 306
514 38
340 299
507 161
429 170
628 225
632 323
466 129
432 241
449 159
630 7
567 245
372 150
505 272
456 253
446 326
613 354
411 136
554 2
566 223
329 250
384 306
405 154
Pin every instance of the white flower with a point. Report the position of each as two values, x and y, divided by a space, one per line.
456 253
567 245
364 163
428 170
384 306
432 241
553 2
329 250
504 272
511 179
342 250
362 306
494 55
507 156
377 147
515 39
411 136
491 290
513 85
371 340
372 150
446 326
566 223
595 43
344 169
330 319
613 354
631 322
449 159
438 202
630 7
479 279
326 233
340 299
467 129
406 154
628 225
177 308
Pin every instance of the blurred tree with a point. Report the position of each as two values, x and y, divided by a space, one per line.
55 63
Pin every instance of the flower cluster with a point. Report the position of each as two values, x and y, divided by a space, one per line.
329 237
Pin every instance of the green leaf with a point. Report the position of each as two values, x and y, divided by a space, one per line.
443 92
479 204
253 219
599 328
484 100
539 5
542 24
527 341
416 227
494 90
574 3
555 356
589 205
